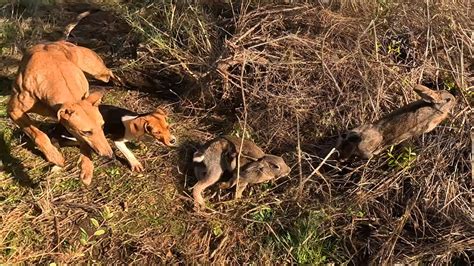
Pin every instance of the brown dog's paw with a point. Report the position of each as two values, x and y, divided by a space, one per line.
87 171
54 156
86 176
137 167
199 206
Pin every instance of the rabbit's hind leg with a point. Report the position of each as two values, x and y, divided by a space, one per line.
212 176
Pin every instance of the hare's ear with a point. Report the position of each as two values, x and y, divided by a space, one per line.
274 165
427 94
256 166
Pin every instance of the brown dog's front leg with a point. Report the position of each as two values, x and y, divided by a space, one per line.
87 167
41 140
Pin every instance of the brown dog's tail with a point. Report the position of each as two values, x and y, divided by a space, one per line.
73 24
100 76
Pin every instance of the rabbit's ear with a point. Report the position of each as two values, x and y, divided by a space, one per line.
274 165
427 94
255 166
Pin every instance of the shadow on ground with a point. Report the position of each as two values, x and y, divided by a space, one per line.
13 165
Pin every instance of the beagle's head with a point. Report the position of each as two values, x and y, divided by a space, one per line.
155 124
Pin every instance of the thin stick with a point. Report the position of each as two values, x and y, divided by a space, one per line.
472 158
244 103
300 169
319 166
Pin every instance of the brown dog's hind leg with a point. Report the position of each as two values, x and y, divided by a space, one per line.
41 140
87 167
89 62
212 176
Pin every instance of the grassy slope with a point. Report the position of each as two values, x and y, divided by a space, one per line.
129 217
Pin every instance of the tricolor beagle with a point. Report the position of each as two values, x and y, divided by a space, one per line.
122 125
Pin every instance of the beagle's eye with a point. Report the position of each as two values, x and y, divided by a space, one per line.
86 133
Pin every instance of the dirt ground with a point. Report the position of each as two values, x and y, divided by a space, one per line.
291 77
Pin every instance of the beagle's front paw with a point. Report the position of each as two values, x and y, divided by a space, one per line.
137 166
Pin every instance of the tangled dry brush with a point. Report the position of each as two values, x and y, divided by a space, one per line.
301 74
294 76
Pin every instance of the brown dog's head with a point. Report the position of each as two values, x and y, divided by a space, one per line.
84 121
155 124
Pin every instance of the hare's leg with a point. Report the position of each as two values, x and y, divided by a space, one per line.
212 176
240 188
87 167
18 106
199 171
228 184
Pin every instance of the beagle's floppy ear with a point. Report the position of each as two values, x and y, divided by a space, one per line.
65 112
148 129
95 98
427 94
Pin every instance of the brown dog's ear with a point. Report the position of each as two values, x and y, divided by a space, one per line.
64 113
95 98
427 94
161 111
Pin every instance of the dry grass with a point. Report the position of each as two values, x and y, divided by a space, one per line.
291 77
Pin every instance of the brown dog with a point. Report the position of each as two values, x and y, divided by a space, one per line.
51 82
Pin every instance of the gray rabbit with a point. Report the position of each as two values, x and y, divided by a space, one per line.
264 169
413 119
218 156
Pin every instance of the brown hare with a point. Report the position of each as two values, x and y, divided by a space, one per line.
218 156
410 120
264 169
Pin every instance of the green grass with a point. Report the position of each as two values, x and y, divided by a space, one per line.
305 241
262 214
402 159
8 35
4 91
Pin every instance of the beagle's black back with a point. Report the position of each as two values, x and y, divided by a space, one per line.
113 127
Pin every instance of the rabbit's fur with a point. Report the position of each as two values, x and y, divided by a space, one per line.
264 169
218 156
413 119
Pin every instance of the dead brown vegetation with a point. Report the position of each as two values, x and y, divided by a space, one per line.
292 77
